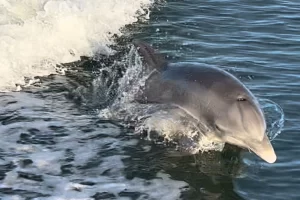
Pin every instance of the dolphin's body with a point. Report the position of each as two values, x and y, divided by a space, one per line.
210 95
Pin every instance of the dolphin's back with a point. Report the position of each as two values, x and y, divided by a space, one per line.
203 75
185 84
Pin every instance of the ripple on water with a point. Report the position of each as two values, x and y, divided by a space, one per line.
55 152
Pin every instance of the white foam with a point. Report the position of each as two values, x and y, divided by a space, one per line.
175 126
36 35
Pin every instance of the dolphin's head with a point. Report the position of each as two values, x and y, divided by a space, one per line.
242 123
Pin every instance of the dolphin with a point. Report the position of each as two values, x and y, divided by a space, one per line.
210 95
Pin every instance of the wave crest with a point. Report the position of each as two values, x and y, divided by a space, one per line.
38 35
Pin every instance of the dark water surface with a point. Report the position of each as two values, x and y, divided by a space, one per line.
54 146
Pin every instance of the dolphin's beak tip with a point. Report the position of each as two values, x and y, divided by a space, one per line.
268 154
264 150
271 159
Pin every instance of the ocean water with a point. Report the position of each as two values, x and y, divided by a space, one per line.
68 76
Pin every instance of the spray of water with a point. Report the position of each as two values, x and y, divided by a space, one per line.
274 117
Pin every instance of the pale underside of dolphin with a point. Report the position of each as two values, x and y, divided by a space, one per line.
210 95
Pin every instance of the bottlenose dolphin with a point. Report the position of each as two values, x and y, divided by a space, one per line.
210 95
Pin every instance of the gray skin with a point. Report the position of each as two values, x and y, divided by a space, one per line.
210 95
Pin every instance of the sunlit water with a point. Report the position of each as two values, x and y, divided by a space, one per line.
71 136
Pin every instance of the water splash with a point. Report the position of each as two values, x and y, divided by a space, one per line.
274 117
172 125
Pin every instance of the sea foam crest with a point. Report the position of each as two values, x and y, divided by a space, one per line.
36 35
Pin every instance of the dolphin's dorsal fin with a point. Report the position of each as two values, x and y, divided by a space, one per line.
152 59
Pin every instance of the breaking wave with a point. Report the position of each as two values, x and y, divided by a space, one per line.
36 36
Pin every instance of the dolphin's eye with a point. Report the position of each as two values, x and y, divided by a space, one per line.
241 99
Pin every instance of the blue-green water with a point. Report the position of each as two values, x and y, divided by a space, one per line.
55 146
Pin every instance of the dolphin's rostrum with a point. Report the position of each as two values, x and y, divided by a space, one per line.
210 95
